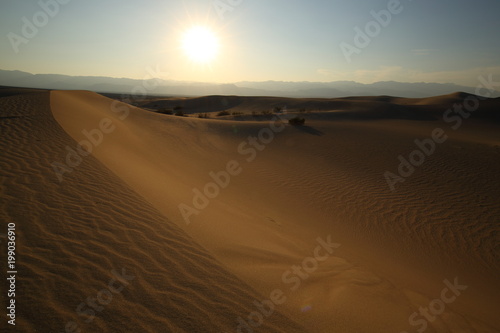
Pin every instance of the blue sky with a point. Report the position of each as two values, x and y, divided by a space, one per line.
285 40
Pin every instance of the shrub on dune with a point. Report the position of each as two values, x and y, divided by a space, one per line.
297 121
223 113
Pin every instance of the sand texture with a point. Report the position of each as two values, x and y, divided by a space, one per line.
294 189
72 234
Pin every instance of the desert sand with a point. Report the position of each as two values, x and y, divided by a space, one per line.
300 215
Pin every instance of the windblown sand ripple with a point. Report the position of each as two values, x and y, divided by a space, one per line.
72 234
393 252
326 179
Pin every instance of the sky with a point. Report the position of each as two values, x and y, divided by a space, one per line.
444 41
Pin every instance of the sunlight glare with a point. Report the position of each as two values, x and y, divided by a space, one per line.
200 44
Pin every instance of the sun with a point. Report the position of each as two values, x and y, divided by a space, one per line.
200 44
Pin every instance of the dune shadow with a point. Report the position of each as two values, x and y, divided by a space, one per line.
309 130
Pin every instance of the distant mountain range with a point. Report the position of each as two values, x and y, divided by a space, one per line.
269 88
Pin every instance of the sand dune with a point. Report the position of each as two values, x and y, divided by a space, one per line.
357 108
390 251
73 234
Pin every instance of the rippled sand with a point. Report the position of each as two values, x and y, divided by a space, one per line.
119 208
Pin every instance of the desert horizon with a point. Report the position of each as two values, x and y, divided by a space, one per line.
157 84
237 166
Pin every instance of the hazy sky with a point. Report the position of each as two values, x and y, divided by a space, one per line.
286 40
